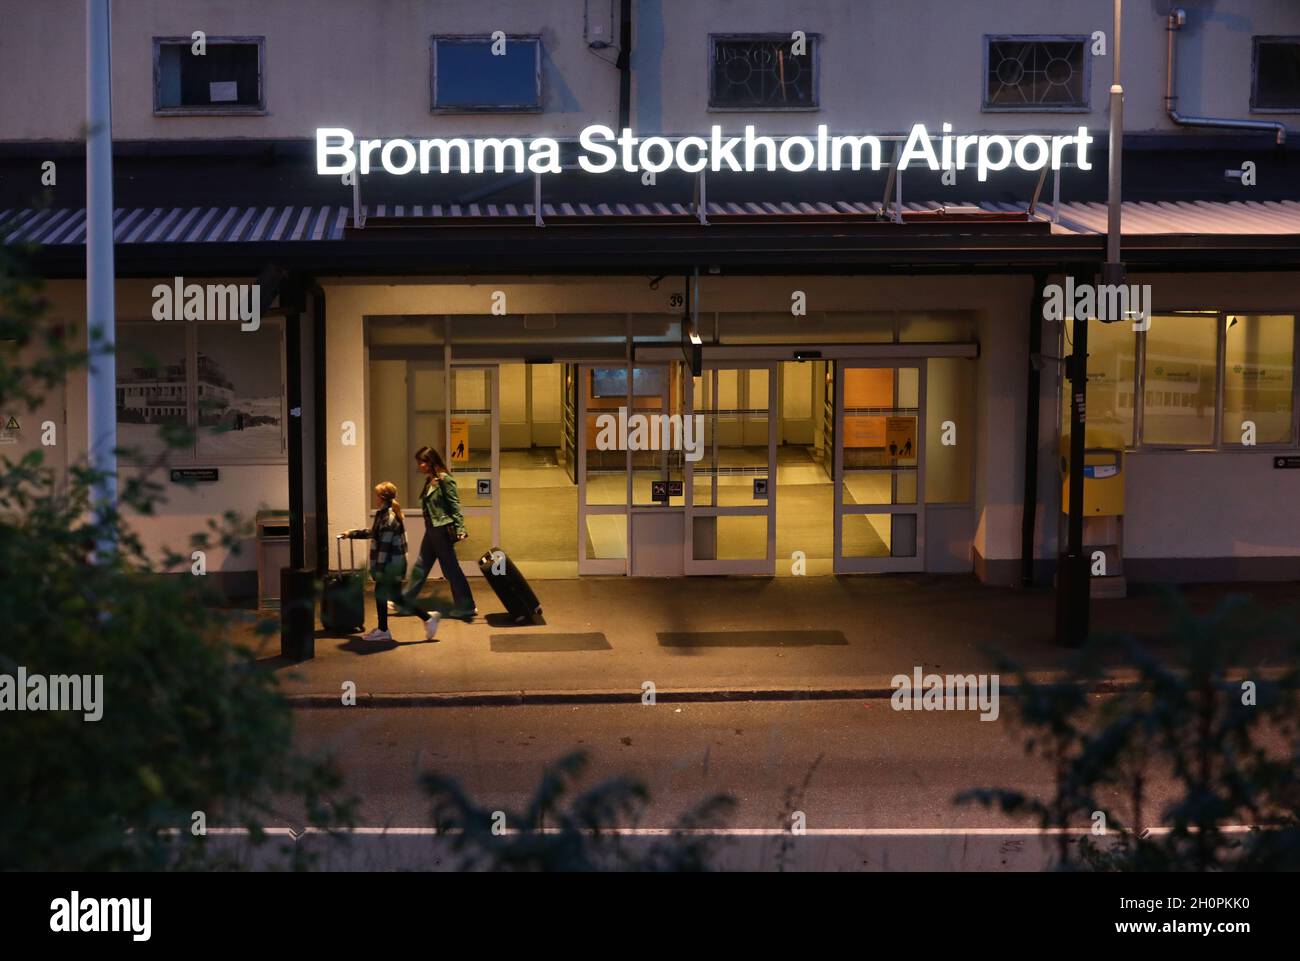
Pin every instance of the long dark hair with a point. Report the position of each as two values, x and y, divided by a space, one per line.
427 455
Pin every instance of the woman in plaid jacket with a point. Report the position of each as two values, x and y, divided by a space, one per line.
387 536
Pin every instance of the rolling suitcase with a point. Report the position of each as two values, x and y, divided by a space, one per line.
510 586
343 601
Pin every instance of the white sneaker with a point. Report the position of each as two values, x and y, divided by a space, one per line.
377 635
392 609
431 626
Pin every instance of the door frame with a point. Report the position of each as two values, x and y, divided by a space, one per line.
600 565
494 473
767 565
871 565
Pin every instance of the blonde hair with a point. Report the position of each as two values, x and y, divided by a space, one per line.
388 491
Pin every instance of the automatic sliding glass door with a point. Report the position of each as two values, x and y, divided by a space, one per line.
879 467
731 487
473 452
603 471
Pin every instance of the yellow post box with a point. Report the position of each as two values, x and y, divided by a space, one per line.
1103 515
1103 482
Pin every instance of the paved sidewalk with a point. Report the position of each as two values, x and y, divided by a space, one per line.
720 638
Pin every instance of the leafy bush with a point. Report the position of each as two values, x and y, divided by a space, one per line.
189 724
1230 743
582 835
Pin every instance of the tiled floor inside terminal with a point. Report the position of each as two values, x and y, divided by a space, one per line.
539 512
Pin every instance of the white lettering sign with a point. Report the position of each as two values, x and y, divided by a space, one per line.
338 152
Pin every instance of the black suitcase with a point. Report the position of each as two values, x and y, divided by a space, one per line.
343 600
510 586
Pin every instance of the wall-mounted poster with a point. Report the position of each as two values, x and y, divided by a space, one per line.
240 393
864 430
459 440
900 436
152 388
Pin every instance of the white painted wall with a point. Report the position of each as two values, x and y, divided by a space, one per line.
797 414
365 63
1000 389
547 404
1196 504
513 407
245 489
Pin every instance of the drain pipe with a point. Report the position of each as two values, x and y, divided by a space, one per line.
625 64
1177 20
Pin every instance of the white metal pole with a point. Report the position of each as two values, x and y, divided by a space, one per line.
101 377
1116 157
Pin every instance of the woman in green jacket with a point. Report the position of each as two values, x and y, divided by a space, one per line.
444 525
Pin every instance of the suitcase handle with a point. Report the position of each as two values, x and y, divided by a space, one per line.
352 552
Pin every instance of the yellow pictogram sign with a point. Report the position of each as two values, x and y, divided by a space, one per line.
459 440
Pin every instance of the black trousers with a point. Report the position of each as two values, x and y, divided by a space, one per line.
438 545
388 587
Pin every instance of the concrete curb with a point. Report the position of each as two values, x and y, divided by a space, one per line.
677 696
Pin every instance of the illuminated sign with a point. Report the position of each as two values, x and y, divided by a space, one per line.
339 152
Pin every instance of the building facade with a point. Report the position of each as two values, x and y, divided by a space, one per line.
776 372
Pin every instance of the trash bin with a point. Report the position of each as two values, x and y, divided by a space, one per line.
272 556
298 614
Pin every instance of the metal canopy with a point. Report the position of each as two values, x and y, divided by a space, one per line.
206 225
840 237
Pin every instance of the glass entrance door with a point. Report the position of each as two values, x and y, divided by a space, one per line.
879 467
473 452
731 486
604 481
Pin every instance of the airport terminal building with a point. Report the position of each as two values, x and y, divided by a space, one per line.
774 372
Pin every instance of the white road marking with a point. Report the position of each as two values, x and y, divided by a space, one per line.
732 832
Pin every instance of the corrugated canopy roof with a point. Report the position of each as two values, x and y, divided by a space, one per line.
240 224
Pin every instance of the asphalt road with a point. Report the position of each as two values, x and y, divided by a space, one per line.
875 786
878 767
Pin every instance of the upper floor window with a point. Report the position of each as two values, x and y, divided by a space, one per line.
1036 73
1275 84
220 75
478 73
763 71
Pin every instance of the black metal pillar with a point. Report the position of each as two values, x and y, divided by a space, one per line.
1033 402
1072 578
321 559
298 581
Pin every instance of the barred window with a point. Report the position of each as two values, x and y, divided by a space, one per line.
1036 73
763 72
